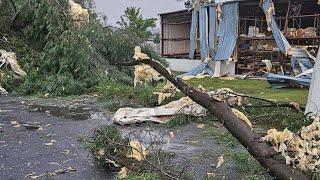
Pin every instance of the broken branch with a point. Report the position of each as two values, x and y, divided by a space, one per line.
238 128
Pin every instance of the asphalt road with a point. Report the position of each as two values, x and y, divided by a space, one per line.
26 152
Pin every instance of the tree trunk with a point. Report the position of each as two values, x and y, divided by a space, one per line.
262 151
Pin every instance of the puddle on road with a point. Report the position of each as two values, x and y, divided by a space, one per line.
71 113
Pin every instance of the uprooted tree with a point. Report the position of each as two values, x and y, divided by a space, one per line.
267 157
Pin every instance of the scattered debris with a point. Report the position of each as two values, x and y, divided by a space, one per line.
54 173
138 151
161 114
243 117
10 58
15 123
77 14
200 126
143 71
123 173
211 175
50 143
167 91
300 150
228 78
220 161
33 127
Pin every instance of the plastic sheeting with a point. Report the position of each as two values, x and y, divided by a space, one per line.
227 31
281 41
193 34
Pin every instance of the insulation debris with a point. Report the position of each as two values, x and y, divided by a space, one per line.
123 173
143 71
3 91
10 58
77 13
138 151
161 114
243 117
300 150
199 76
165 113
228 96
220 161
268 64
167 91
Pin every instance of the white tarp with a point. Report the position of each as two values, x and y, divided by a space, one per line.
313 105
161 114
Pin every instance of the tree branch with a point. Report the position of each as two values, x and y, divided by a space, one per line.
239 129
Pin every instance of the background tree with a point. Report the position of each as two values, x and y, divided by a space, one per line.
133 21
156 38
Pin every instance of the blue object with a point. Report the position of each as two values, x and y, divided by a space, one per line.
212 30
281 41
282 81
203 32
227 31
198 70
193 34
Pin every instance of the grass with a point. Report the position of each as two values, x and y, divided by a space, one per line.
256 88
220 136
246 166
145 176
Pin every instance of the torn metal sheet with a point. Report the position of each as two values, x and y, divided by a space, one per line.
281 41
203 20
212 30
203 68
282 81
193 34
227 31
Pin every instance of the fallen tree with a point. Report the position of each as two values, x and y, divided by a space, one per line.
262 151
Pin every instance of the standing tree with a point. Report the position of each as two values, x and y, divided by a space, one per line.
133 21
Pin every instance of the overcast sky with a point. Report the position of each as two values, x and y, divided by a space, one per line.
149 8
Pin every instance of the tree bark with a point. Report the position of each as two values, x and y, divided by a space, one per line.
262 151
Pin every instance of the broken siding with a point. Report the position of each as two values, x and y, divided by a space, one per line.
203 21
281 41
228 31
193 34
212 30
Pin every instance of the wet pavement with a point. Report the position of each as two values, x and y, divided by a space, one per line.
37 138
42 135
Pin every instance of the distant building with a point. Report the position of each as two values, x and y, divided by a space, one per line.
298 20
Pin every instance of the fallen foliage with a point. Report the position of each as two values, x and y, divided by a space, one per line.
300 150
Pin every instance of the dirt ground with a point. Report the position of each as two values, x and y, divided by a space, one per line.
42 135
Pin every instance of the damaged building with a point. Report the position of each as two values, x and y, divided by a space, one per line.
239 37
